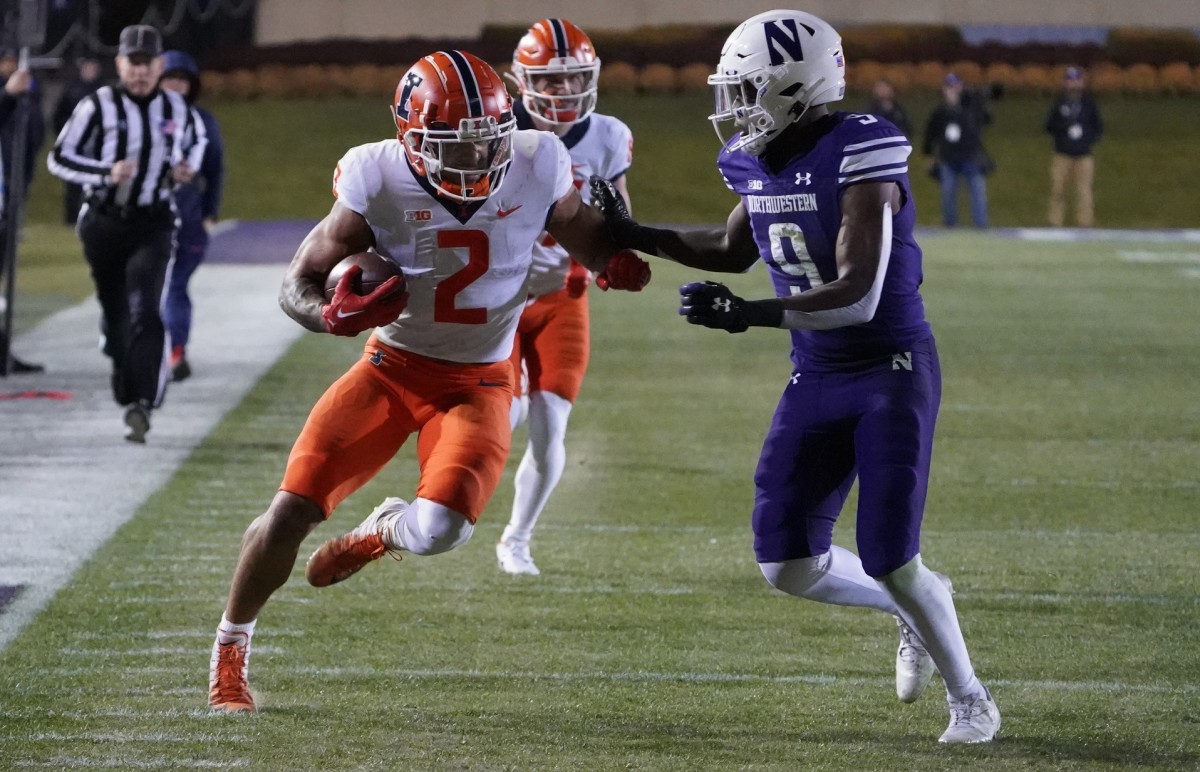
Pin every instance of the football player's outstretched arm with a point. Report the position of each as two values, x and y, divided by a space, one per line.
580 229
724 250
343 232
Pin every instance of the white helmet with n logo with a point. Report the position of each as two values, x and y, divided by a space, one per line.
773 68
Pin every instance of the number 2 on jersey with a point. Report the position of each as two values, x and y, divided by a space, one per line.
444 308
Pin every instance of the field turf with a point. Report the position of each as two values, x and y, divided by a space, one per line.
1063 504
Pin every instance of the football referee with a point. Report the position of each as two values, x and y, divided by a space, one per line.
128 145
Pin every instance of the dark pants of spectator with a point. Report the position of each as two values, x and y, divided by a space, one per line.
948 176
129 259
178 311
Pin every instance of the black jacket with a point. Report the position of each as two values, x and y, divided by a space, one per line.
1075 125
955 132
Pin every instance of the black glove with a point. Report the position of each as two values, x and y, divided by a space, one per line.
713 305
621 227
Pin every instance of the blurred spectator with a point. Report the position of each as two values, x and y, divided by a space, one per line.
86 81
1074 123
197 202
16 83
13 84
954 143
884 104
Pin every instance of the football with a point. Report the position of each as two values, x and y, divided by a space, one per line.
376 269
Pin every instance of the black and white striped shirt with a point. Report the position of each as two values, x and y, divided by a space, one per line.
155 132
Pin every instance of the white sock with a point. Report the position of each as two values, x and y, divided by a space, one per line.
228 632
542 465
835 577
925 605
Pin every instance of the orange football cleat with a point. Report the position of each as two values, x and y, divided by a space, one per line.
340 558
228 689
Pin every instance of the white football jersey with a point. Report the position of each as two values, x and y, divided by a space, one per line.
466 267
606 149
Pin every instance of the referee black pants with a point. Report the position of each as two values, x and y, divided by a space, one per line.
129 259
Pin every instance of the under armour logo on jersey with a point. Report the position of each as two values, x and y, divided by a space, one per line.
803 178
902 361
794 378
376 358
722 304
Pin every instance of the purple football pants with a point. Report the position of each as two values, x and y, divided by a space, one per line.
875 423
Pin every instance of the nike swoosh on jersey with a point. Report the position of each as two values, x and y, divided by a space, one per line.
482 382
507 212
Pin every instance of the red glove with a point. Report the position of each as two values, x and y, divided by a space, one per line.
625 271
578 279
349 313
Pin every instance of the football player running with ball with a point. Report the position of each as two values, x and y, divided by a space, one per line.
826 205
457 203
556 69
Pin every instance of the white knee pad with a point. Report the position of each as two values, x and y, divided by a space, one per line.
835 577
796 577
429 528
908 578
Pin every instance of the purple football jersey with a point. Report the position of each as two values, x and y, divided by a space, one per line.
795 215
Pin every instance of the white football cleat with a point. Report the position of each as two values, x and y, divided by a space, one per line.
972 721
914 666
514 558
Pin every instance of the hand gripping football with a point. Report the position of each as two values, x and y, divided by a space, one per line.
376 270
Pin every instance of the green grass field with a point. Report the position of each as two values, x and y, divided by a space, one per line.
1063 504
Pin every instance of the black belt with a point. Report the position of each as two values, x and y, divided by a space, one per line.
151 212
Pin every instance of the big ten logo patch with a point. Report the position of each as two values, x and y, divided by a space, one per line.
417 215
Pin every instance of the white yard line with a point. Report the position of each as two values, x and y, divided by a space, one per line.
68 479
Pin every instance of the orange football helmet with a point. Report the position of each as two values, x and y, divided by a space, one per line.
455 120
559 57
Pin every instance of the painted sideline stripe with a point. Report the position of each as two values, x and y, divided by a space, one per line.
1184 235
60 458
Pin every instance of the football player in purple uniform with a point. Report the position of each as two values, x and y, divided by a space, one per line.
826 204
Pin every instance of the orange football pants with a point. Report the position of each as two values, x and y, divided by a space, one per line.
553 338
460 414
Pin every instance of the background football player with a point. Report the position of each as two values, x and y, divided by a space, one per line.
826 205
556 69
457 203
